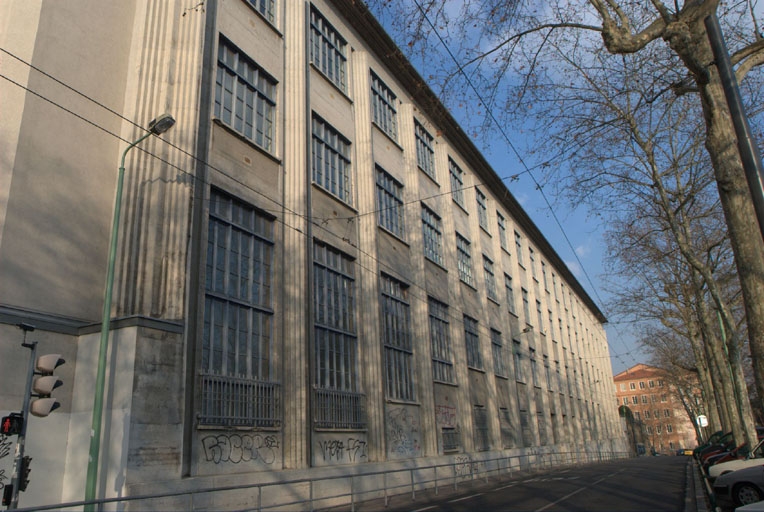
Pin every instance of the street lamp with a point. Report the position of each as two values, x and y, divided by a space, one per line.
156 127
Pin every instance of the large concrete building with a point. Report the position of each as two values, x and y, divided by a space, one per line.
316 267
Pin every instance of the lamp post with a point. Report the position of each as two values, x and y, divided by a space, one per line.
156 127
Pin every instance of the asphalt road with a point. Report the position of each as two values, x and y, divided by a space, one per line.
655 484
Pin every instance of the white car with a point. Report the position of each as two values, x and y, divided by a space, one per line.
741 487
755 458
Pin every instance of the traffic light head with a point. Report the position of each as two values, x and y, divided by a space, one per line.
12 425
49 362
44 385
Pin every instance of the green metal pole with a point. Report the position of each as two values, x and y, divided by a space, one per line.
95 429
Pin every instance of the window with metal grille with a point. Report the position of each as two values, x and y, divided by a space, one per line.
264 7
480 428
331 160
425 155
490 280
472 342
432 236
390 203
327 49
238 378
457 182
482 209
499 363
464 260
338 400
450 439
510 293
383 109
396 335
440 342
502 223
245 96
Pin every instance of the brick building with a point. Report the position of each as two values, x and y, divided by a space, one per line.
660 419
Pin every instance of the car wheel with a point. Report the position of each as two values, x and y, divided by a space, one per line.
744 494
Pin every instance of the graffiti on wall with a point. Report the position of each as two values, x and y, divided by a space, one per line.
465 467
340 451
236 448
445 415
5 451
403 434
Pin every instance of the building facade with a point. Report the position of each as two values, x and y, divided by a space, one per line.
661 423
316 266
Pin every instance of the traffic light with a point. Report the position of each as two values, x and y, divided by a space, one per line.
12 425
44 385
24 473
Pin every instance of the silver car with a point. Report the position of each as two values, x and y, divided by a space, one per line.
755 458
740 487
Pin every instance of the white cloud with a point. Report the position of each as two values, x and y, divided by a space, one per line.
575 268
583 251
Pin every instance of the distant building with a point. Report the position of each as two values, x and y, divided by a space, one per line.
316 266
660 421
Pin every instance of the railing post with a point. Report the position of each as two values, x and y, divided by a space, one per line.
352 493
259 498
436 480
384 484
311 495
456 484
413 490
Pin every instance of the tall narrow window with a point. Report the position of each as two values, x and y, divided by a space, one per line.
464 260
457 182
517 356
532 258
510 293
425 155
327 49
432 236
502 223
245 96
383 101
390 203
331 161
499 363
238 378
472 342
526 306
440 342
534 369
519 249
490 280
399 355
482 209
338 401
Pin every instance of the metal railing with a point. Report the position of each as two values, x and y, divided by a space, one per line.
347 490
236 401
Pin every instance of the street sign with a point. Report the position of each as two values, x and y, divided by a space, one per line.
702 420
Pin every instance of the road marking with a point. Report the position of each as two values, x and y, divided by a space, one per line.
576 492
505 487
425 508
466 498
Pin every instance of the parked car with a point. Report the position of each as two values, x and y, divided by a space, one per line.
740 487
755 458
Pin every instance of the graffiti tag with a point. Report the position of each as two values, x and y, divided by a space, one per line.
236 448
335 450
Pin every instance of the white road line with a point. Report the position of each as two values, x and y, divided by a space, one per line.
423 509
466 498
505 487
576 492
